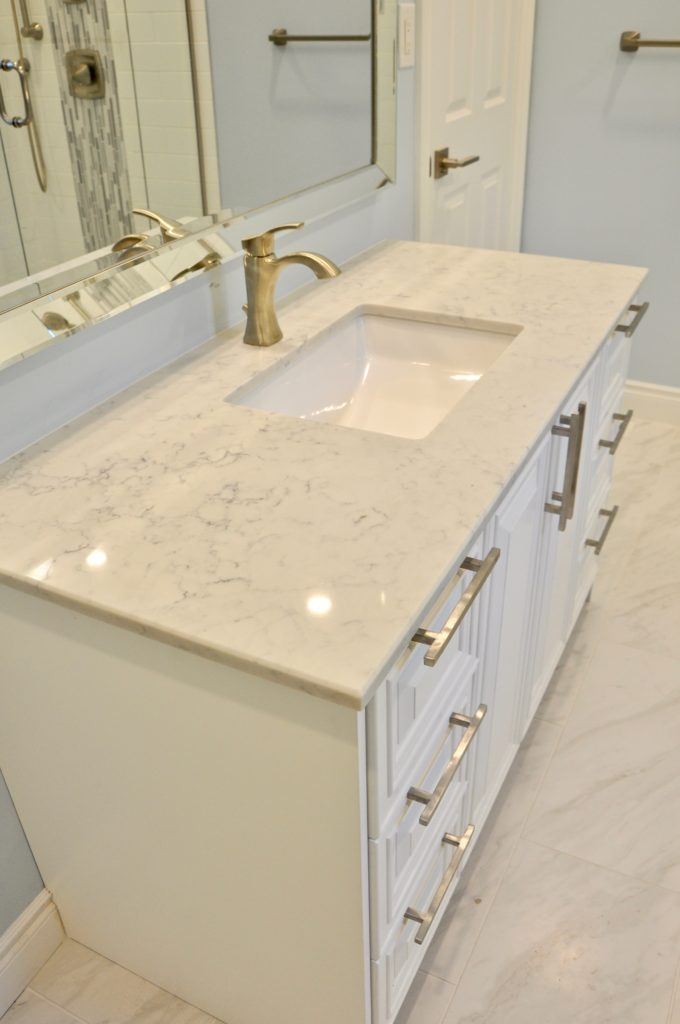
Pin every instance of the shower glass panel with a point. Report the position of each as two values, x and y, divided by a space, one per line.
12 260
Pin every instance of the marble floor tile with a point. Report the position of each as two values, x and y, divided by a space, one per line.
612 791
636 599
427 1001
567 942
646 486
100 992
31 1008
472 900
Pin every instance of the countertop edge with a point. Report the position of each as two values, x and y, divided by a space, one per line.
189 644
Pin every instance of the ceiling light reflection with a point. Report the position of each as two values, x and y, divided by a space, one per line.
96 559
319 604
42 571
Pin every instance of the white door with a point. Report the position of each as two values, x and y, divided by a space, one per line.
475 78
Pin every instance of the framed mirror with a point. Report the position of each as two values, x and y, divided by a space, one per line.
202 111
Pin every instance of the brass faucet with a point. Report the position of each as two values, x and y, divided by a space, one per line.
262 268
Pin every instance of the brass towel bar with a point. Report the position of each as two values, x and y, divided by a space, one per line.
281 37
631 42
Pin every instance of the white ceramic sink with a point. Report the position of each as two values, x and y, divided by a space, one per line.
381 373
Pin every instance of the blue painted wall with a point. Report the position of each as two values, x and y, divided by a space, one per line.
604 152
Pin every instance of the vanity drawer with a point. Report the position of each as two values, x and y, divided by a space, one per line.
396 857
394 970
404 717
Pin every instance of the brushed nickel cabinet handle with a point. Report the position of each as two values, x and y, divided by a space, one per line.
564 502
630 329
432 800
611 514
425 919
624 419
438 642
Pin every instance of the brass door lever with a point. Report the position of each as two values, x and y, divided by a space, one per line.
443 163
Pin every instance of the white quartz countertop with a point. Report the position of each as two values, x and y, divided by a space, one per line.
302 551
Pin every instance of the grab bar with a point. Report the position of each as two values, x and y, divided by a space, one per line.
22 68
281 37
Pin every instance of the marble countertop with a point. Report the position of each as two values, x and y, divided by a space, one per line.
302 551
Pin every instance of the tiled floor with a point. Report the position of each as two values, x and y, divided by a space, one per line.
569 911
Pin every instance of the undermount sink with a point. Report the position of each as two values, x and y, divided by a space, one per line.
386 374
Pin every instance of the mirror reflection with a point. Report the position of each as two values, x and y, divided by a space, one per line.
176 109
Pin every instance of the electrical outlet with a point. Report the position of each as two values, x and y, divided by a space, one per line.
407 35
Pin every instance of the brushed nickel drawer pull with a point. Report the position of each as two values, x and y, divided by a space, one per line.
611 514
630 329
438 642
573 427
425 920
432 800
624 419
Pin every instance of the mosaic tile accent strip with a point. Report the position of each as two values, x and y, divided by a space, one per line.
93 126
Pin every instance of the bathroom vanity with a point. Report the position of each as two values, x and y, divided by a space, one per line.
275 621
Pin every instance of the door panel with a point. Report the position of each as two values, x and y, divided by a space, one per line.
475 73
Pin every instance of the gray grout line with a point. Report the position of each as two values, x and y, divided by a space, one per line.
602 867
57 1006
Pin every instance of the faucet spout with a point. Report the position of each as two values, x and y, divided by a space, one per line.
319 265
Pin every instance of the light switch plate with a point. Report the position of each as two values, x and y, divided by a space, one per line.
407 35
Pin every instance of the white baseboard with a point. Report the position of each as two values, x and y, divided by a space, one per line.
26 946
653 401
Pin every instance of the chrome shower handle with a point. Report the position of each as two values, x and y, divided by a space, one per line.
22 68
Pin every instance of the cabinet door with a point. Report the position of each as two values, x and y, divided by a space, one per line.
558 549
516 530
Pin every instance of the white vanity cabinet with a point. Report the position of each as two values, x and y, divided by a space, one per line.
261 852
520 625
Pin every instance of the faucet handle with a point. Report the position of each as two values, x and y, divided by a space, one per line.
170 229
263 245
